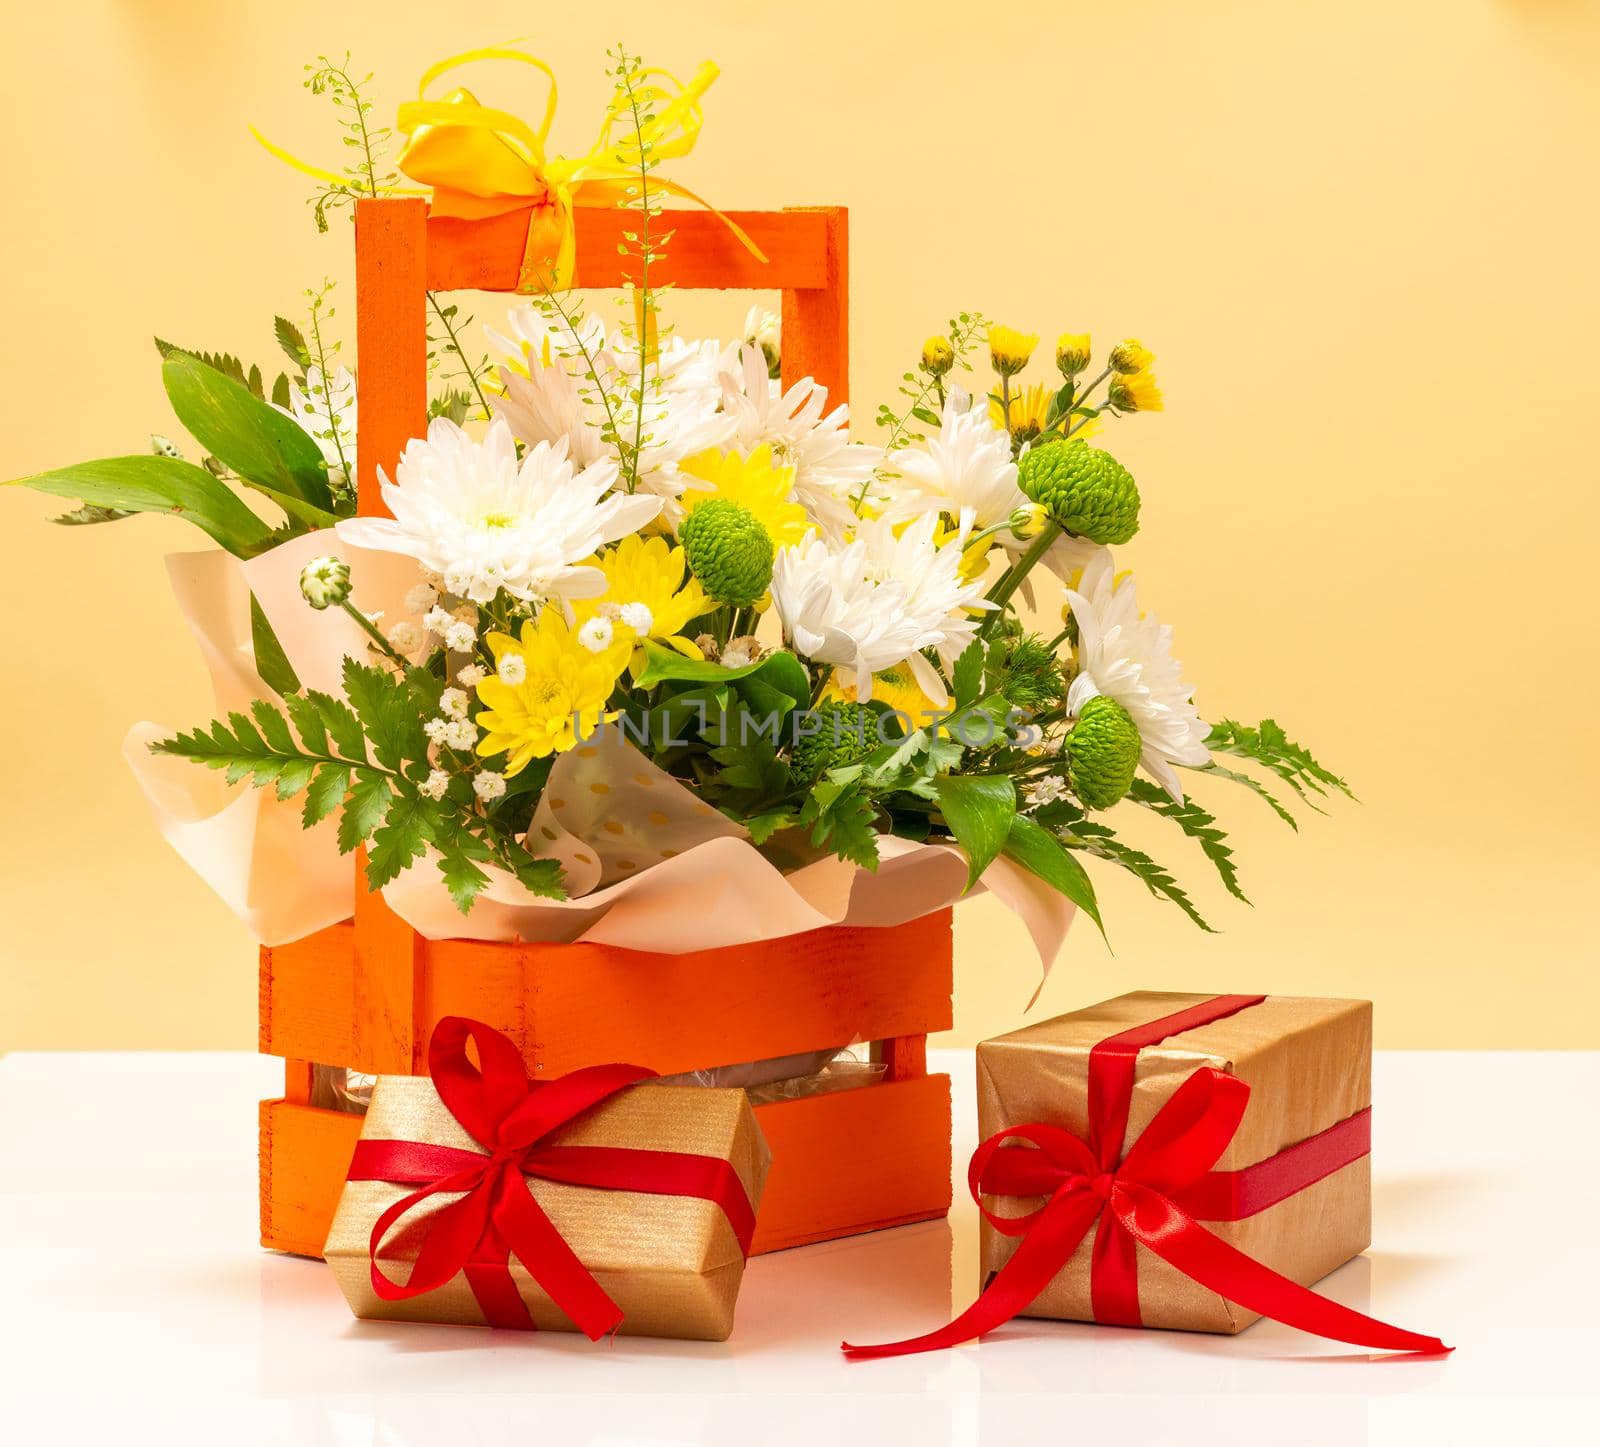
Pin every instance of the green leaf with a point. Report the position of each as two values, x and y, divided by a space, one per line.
292 341
841 818
400 840
780 670
1197 824
325 794
1038 851
967 678
89 514
979 809
460 854
1105 845
280 392
230 366
254 439
388 715
763 826
1269 746
159 485
342 725
274 727
309 517
539 876
1255 786
272 663
364 810
294 775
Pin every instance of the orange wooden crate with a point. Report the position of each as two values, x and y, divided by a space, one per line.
365 994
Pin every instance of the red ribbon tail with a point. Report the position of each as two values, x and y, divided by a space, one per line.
1181 1241
1041 1253
534 1240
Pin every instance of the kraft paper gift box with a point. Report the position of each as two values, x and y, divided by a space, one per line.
672 1263
1308 1063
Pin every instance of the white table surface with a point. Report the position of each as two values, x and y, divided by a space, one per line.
135 1304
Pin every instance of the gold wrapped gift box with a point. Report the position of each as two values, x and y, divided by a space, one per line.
671 1263
1308 1063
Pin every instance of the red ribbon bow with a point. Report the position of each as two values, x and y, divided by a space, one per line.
1152 1196
497 1217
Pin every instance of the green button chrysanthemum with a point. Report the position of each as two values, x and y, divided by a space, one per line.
1084 489
325 581
848 733
1102 753
728 551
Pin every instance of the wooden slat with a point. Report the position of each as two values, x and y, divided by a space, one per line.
305 1154
574 1005
702 252
855 1160
816 321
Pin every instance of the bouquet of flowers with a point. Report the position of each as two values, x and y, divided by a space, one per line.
626 544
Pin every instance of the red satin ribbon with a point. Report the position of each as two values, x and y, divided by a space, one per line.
496 1217
1151 1196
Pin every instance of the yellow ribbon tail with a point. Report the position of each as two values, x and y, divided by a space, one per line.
331 178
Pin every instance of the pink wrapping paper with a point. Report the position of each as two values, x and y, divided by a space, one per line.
649 865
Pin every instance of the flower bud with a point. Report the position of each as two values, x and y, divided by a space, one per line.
1028 521
1009 350
325 581
1072 353
1137 392
164 446
1129 357
938 356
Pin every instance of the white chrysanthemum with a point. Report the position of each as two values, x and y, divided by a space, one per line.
434 785
550 394
762 327
468 510
326 412
830 471
966 471
878 601
1127 655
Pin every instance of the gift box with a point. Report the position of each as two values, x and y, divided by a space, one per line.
590 1202
1188 1161
1308 1064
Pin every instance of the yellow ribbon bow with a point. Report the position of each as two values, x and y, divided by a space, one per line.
481 162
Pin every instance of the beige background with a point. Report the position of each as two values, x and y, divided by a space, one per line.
1360 239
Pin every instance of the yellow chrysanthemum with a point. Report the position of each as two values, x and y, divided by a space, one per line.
755 483
1073 352
894 687
562 691
1136 392
1009 350
1131 356
1029 408
652 572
